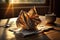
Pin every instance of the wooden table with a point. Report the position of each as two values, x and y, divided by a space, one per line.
5 34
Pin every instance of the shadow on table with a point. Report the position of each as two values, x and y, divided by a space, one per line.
33 37
57 27
3 35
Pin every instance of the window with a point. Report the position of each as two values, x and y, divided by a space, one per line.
27 1
22 1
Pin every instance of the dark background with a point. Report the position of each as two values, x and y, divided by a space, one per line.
42 9
57 8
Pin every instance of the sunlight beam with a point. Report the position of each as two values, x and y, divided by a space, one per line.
14 1
9 9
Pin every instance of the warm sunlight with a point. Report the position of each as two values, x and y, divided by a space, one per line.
13 1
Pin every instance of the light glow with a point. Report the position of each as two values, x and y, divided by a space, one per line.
10 8
13 1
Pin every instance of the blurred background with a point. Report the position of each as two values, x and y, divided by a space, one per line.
11 8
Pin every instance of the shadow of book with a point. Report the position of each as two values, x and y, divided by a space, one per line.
33 37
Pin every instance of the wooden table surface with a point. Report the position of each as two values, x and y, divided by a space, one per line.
5 34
